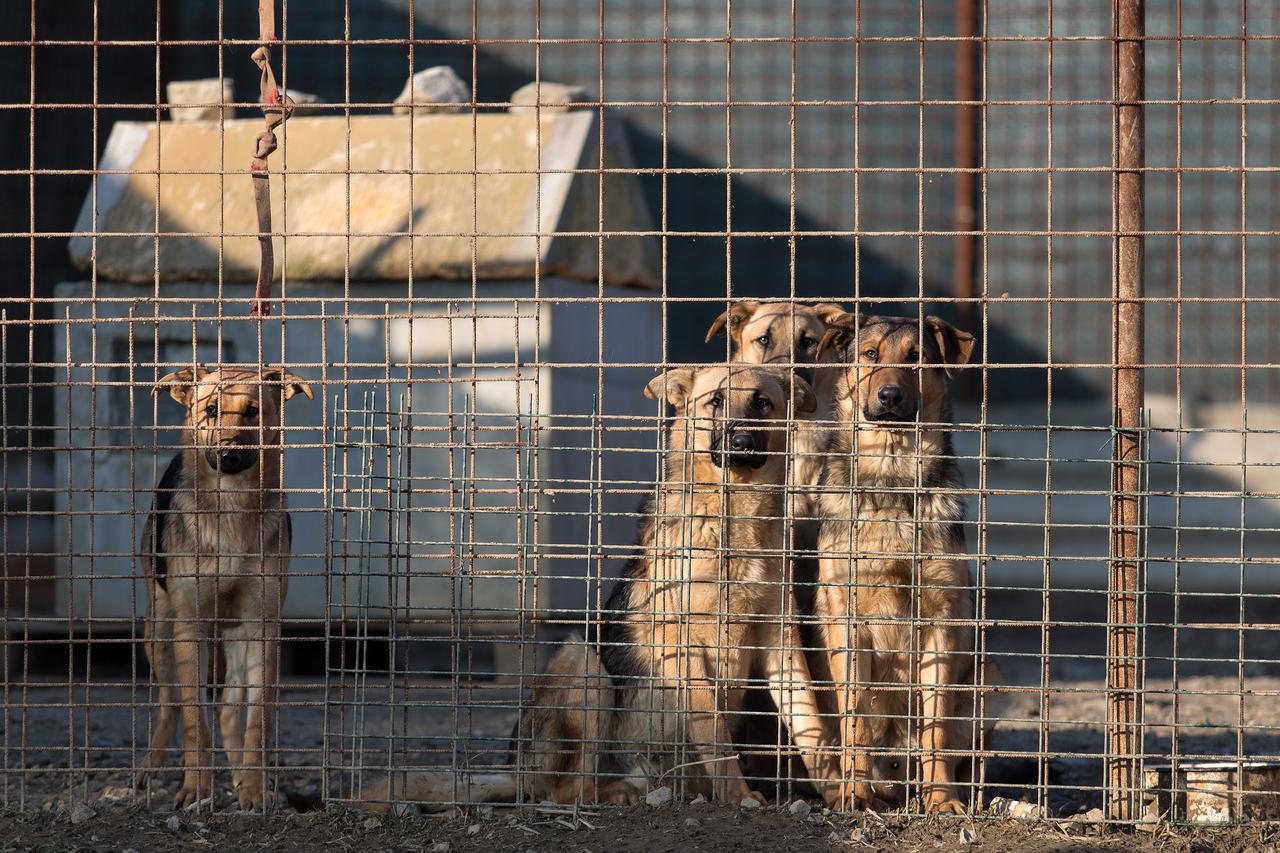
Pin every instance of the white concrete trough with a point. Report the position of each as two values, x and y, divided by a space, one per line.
1212 792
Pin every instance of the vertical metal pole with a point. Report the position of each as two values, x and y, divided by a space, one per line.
1124 708
965 213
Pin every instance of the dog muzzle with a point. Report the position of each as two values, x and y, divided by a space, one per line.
231 460
739 448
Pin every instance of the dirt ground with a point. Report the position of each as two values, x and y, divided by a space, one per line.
121 827
72 745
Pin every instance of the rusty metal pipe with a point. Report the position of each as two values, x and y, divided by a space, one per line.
1124 706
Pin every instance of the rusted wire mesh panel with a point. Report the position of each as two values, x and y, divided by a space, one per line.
866 404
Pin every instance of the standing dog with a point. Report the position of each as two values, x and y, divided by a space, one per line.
699 612
894 584
215 550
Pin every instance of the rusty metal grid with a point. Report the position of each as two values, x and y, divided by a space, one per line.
1085 189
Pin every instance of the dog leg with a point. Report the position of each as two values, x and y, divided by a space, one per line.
261 654
709 732
231 714
787 673
158 644
850 669
197 780
937 768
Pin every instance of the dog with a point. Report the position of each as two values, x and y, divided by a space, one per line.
790 333
702 610
894 588
215 550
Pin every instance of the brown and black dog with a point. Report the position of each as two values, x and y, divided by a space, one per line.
700 612
789 333
894 591
216 551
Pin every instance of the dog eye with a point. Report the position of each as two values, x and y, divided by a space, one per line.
210 411
913 355
251 412
716 401
870 353
763 340
808 342
761 402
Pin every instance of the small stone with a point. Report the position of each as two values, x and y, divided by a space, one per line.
800 808
968 836
659 796
749 803
545 97
174 823
439 847
371 823
698 801
81 812
474 829
209 98
692 823
433 90
1093 815
485 811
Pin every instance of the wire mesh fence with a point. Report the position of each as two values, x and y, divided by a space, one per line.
971 507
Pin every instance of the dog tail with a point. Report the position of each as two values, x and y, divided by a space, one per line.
437 790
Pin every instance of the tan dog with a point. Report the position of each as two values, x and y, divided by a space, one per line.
700 610
216 550
790 333
894 585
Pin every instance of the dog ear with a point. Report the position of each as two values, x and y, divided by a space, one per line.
179 383
827 311
290 384
956 346
730 322
840 331
674 386
802 397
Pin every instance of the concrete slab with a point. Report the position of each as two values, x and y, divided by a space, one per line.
489 195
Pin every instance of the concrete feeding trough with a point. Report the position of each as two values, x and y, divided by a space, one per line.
1212 792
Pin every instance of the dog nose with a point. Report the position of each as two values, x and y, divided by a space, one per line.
228 458
890 396
742 442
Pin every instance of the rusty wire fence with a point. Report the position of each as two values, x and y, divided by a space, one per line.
479 279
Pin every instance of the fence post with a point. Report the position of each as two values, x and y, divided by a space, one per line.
1124 706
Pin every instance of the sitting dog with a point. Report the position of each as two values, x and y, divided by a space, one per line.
790 333
215 550
700 612
894 589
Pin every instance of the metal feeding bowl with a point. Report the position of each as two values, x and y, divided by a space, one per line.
1212 792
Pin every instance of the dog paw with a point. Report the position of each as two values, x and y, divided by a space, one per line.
149 768
251 799
862 798
195 788
943 802
754 795
621 793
